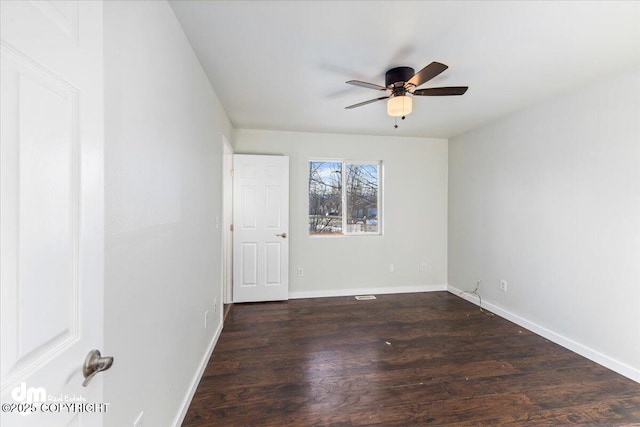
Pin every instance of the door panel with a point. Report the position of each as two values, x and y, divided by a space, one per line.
249 267
261 221
273 264
272 210
51 205
47 247
248 207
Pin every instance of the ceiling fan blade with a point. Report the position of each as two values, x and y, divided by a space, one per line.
365 84
427 73
441 91
360 104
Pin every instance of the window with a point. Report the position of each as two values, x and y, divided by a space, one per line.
344 197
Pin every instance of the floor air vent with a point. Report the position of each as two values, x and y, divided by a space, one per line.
365 297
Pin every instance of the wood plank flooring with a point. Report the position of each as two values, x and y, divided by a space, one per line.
400 360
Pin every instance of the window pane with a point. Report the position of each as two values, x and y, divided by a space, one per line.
325 198
362 198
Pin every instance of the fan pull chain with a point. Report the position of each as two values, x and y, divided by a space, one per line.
395 123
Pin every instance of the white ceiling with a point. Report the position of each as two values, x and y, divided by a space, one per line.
282 65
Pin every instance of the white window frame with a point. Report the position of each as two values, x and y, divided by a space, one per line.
380 198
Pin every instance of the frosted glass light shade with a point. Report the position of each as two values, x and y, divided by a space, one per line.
398 106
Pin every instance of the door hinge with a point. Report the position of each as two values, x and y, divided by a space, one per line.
231 171
231 227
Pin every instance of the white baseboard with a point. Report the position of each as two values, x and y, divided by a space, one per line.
604 360
177 422
366 291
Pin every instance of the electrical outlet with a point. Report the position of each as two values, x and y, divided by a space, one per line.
391 268
206 318
423 266
503 285
138 421
300 272
215 305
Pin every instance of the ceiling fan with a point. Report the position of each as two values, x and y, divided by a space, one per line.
400 82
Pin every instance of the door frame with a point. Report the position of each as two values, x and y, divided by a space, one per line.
227 220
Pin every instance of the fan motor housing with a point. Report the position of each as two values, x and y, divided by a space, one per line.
398 75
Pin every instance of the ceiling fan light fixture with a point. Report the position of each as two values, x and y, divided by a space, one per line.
399 106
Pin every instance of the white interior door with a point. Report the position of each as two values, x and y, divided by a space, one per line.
51 206
260 228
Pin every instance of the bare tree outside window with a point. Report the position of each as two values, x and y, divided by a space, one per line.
357 183
362 198
325 197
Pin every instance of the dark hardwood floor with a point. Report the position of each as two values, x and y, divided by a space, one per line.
399 360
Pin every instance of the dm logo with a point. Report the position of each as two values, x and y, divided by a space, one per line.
28 395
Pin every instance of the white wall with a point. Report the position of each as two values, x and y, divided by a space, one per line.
415 214
549 200
163 132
